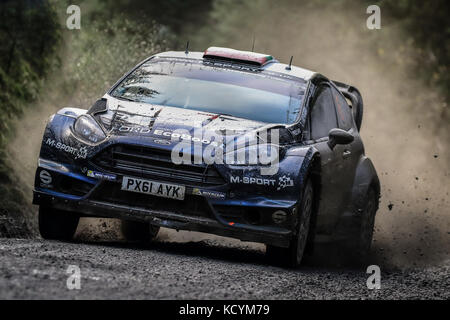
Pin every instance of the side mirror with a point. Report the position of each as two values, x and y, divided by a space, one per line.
339 136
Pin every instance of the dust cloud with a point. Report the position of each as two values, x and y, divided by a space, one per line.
402 127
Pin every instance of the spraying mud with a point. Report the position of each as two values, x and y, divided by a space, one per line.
403 129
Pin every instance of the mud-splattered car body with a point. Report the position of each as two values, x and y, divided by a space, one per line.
86 175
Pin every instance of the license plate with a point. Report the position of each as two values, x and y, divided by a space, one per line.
155 188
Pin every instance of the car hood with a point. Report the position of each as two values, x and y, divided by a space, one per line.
155 123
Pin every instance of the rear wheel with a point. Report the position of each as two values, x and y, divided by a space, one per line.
137 231
292 256
57 224
367 224
357 247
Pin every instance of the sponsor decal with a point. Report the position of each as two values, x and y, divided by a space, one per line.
137 130
209 193
101 175
174 135
279 216
82 153
252 180
284 182
162 142
78 153
46 178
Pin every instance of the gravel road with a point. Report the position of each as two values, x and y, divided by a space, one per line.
36 269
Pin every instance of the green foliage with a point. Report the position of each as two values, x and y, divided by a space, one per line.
106 49
174 14
25 55
428 25
92 59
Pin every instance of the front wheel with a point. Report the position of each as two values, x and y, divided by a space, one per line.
292 256
57 224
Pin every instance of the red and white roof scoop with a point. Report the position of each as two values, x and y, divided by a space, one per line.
258 59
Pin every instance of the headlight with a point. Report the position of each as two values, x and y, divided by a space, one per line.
262 154
88 129
265 156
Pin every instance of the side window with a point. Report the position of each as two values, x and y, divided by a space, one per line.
343 110
323 114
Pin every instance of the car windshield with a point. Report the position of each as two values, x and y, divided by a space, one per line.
192 84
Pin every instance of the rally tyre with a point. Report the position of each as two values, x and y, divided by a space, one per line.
367 225
292 256
57 224
137 231
356 249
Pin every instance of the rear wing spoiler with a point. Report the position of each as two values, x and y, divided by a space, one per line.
352 94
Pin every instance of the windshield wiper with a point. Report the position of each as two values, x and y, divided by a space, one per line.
127 99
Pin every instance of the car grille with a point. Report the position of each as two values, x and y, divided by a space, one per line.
191 205
155 163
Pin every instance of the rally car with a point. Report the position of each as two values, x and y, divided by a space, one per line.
227 142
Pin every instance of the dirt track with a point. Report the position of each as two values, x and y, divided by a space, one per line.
36 269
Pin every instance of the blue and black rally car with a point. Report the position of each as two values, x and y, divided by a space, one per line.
138 154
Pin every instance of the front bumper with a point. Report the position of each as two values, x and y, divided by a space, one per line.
250 212
215 225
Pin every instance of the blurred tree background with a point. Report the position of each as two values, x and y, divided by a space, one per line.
27 53
38 52
428 26
42 63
